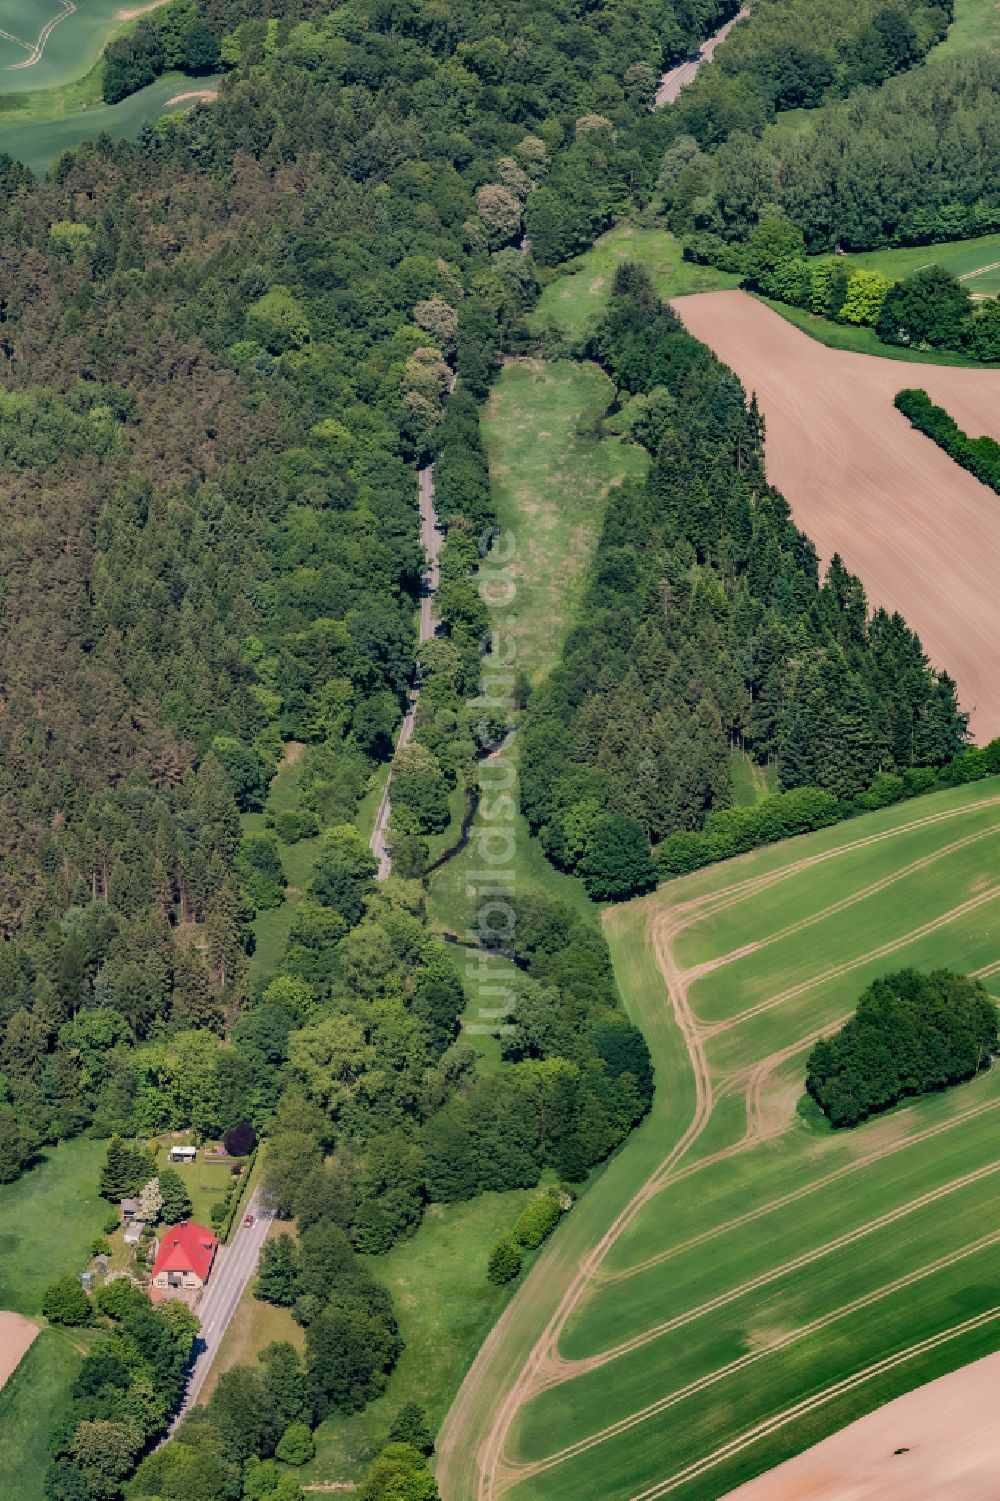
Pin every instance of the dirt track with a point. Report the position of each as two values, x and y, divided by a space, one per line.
17 1334
921 532
949 1430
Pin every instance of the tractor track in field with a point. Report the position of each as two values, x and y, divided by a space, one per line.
568 1369
808 1404
543 1366
697 971
37 48
795 1195
733 1367
972 904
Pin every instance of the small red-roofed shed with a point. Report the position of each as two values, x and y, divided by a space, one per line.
185 1256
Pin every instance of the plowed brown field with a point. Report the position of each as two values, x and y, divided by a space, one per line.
16 1337
938 1441
923 535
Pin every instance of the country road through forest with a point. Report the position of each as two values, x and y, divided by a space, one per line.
431 539
674 79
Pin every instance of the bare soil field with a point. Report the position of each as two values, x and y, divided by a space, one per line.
923 534
16 1337
941 1440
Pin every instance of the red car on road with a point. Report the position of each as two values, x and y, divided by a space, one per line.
247 1221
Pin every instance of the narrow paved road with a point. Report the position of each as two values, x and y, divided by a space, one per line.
674 79
431 539
234 1265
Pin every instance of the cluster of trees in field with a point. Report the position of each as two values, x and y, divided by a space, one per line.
981 456
911 1033
224 350
177 36
929 310
912 162
705 626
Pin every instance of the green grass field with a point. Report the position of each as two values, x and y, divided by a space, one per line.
46 44
40 141
975 262
579 292
47 1220
758 1260
445 1307
976 24
551 471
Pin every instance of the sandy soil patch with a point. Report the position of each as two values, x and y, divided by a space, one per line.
949 1435
204 94
138 10
923 534
17 1334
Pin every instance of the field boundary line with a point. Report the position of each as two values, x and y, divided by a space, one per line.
697 971
663 928
795 1195
808 1404
711 1378
713 1029
570 1368
708 904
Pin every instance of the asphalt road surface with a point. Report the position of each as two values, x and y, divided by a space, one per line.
431 539
674 79
234 1265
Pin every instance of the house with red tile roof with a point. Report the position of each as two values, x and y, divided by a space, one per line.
185 1256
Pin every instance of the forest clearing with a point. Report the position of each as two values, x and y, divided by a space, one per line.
630 1365
923 535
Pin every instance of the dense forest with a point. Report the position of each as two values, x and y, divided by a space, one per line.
911 1033
878 160
225 347
706 626
913 161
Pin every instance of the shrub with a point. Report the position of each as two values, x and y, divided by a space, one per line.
65 1302
618 863
981 456
536 1221
294 824
296 1445
240 1140
504 1263
410 1426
